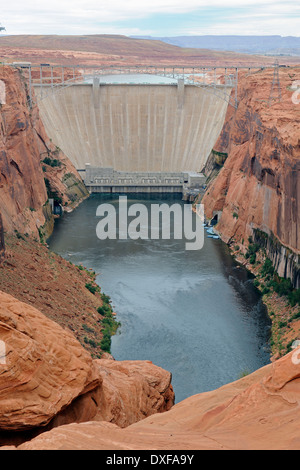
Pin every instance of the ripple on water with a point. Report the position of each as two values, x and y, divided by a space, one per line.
192 313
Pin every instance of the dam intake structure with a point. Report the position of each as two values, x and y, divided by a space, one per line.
108 180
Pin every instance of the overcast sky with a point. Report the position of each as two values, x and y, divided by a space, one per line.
151 17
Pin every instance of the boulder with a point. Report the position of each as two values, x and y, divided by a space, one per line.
132 390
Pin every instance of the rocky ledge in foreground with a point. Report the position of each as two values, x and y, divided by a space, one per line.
260 411
47 379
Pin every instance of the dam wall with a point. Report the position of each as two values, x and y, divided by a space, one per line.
135 127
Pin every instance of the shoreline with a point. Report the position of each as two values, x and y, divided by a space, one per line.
280 312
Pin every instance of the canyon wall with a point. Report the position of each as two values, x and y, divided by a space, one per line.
258 187
2 242
24 145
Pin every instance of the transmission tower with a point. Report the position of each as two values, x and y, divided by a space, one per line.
275 93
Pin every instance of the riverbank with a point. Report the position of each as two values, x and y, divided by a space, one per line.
284 316
65 293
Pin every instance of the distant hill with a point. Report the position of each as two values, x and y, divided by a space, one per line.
271 45
109 50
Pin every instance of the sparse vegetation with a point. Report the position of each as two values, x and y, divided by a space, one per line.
52 194
109 323
88 329
274 287
53 162
92 287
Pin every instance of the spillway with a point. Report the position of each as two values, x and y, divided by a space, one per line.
135 127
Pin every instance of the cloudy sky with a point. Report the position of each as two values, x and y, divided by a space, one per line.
151 17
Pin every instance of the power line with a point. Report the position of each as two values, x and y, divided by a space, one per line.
275 93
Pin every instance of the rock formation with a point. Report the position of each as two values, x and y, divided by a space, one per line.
2 243
23 146
49 384
132 390
259 185
44 370
260 411
47 379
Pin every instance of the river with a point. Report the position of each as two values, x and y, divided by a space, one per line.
195 313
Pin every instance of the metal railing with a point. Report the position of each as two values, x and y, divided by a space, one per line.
48 79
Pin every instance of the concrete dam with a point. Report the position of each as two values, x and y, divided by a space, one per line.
134 135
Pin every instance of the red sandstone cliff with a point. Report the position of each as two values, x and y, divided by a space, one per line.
23 146
258 412
48 379
2 243
259 185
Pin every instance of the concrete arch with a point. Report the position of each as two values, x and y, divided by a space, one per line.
145 128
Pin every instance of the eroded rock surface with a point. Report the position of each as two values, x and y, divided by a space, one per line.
132 390
23 147
44 369
260 411
259 185
48 379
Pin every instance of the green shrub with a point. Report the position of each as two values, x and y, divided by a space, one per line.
92 288
52 194
282 286
294 297
91 342
265 290
105 343
102 311
252 259
19 235
289 346
53 162
267 268
88 329
296 316
105 298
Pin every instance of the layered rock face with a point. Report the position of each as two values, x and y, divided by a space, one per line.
44 367
132 390
2 242
47 379
23 146
259 185
260 411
